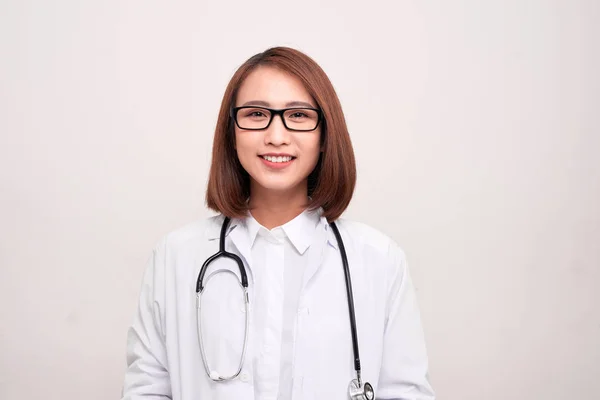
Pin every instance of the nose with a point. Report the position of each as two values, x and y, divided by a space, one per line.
277 134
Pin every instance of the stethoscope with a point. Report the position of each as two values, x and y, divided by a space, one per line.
356 389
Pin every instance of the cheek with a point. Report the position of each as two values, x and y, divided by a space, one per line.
244 146
312 146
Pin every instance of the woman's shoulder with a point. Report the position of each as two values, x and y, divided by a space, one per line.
367 237
192 233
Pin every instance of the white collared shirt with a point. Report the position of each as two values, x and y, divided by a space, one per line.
280 256
163 354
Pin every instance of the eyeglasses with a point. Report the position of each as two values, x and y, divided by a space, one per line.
294 119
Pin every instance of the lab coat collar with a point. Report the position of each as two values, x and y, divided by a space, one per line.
214 228
331 240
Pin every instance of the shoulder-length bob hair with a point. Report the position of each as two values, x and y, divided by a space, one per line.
330 185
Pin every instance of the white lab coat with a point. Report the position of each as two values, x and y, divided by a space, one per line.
163 355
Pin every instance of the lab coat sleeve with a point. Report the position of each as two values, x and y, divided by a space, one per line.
147 375
404 369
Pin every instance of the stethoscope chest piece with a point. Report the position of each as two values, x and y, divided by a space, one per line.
358 392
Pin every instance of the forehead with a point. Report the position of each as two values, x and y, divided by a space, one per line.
273 86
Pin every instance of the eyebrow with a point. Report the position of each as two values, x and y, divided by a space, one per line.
267 104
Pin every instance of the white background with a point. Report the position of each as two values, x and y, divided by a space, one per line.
476 130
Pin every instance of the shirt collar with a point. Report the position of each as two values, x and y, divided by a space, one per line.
299 230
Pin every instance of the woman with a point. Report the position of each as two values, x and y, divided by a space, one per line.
282 170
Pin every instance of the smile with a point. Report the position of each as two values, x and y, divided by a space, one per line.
278 159
277 162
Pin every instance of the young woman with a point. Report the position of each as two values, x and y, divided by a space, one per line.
277 297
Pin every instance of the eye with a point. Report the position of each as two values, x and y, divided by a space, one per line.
255 113
298 114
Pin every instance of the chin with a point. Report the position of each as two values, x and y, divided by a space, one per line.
278 187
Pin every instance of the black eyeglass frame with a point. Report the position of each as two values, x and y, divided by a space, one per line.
274 112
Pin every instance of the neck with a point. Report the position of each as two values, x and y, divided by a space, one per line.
273 209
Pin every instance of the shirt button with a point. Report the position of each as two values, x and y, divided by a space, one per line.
303 311
245 377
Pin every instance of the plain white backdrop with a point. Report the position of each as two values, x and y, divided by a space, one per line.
476 129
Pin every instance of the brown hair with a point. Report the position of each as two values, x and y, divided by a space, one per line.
330 185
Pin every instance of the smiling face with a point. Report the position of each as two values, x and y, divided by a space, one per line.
277 159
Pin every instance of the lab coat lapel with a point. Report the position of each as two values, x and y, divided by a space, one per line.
240 241
316 252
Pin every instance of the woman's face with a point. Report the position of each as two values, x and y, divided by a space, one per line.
277 159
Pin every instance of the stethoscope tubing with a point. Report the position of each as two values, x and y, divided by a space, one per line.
356 388
350 295
222 253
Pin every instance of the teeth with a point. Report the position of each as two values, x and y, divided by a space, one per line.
278 159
